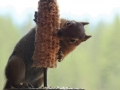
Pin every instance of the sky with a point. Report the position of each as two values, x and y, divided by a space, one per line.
68 8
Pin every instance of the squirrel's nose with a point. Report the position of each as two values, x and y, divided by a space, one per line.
60 33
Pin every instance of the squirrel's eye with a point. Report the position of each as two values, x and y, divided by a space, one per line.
73 40
68 23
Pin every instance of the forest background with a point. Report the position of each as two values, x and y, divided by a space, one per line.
94 65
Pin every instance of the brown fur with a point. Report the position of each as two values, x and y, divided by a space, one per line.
18 69
71 30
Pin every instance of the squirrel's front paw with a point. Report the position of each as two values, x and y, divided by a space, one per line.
36 15
60 55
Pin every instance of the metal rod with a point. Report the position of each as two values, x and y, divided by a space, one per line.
45 77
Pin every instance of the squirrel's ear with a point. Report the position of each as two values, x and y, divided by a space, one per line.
87 37
85 23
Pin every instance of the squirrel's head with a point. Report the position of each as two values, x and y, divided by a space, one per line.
72 32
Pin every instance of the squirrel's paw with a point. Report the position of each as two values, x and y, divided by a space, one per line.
60 55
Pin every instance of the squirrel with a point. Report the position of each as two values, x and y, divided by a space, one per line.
18 71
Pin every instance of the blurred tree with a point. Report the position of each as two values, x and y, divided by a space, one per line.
94 65
9 35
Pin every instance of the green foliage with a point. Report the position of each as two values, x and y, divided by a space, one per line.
94 65
9 36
